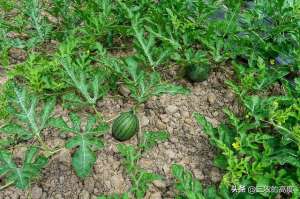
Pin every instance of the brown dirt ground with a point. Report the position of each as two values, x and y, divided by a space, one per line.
187 146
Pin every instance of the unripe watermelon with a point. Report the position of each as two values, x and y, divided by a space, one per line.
125 126
197 73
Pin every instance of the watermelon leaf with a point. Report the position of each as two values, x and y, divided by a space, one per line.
22 176
29 122
84 141
88 88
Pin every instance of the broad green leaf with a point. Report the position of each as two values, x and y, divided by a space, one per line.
207 127
83 160
47 110
185 182
170 89
30 121
74 141
90 123
71 100
100 129
85 141
151 138
60 124
22 176
86 85
76 121
15 129
221 161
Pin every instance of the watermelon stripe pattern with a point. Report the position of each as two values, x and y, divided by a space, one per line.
197 73
125 126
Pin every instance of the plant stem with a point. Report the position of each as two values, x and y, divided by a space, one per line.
99 116
6 185
44 146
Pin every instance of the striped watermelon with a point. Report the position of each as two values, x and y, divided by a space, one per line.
197 73
125 126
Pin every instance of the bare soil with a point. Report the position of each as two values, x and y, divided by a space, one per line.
187 146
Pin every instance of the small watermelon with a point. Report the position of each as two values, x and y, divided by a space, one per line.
197 73
125 126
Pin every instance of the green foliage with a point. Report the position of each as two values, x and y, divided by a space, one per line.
22 176
150 54
255 79
28 121
190 188
186 185
90 89
37 21
151 138
140 178
141 84
41 74
249 150
3 102
99 18
115 196
144 85
85 141
260 39
6 5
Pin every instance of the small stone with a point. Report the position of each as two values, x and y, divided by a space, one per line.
159 184
84 195
58 196
146 163
64 156
107 184
199 174
171 109
185 114
36 192
213 121
156 195
215 114
164 118
51 18
160 125
144 121
94 197
174 139
166 169
230 95
118 182
124 90
61 179
20 152
170 154
15 35
215 175
177 115
163 99
89 184
17 54
211 98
